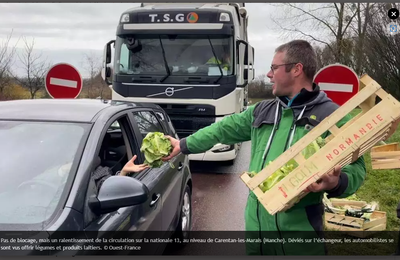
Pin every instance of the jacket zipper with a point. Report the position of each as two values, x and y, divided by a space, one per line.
288 138
259 228
258 203
262 166
276 215
266 154
279 232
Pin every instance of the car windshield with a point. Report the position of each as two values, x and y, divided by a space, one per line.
184 54
34 169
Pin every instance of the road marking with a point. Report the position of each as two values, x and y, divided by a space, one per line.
64 83
336 87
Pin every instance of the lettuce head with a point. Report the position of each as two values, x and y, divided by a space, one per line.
155 146
281 173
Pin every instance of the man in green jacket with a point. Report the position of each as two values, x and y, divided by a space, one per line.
273 126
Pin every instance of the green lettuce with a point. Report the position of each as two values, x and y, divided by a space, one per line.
289 166
155 146
313 147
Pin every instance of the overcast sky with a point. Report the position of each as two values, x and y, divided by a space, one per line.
65 32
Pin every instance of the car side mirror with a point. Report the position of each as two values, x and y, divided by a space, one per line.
118 192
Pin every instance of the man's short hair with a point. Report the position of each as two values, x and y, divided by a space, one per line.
300 51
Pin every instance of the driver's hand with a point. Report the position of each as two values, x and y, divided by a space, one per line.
132 167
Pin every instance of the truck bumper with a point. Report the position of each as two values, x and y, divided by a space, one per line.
215 154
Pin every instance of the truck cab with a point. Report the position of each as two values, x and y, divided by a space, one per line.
194 60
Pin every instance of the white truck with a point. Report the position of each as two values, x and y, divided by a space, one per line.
192 59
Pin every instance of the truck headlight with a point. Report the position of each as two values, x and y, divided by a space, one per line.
224 149
224 17
219 118
125 18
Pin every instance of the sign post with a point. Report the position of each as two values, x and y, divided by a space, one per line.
339 82
63 81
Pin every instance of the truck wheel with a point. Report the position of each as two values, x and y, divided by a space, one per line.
230 162
185 219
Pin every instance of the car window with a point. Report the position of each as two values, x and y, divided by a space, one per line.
117 147
147 122
170 130
115 125
115 151
37 161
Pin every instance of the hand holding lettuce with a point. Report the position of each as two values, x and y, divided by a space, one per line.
155 146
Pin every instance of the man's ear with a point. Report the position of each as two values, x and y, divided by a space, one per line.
298 69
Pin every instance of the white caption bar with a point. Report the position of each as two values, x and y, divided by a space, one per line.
336 87
64 83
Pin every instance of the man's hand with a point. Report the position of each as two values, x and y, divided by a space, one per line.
327 182
176 148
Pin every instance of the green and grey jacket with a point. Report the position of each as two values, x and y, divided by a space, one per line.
273 126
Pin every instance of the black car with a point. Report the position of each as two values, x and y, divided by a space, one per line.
49 149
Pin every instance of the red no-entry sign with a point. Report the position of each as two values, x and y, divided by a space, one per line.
339 82
63 81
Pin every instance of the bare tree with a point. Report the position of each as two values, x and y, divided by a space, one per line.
259 88
365 11
330 26
7 54
34 68
382 51
94 84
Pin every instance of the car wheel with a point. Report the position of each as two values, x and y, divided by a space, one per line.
185 219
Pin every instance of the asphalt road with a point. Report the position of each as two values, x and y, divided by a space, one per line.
218 203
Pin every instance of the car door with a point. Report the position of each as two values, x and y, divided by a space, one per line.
169 175
140 218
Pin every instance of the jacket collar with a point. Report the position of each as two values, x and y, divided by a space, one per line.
303 97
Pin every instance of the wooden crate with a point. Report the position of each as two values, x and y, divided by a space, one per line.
356 227
385 156
342 202
375 123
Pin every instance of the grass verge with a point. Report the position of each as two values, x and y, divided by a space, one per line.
382 186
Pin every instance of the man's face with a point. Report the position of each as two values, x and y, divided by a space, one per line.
282 80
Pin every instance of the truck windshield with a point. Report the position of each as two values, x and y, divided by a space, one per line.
184 54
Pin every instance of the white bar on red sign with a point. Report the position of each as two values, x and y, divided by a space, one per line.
64 83
336 87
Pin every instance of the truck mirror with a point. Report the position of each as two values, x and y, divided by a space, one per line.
107 53
246 50
244 71
108 72
238 42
